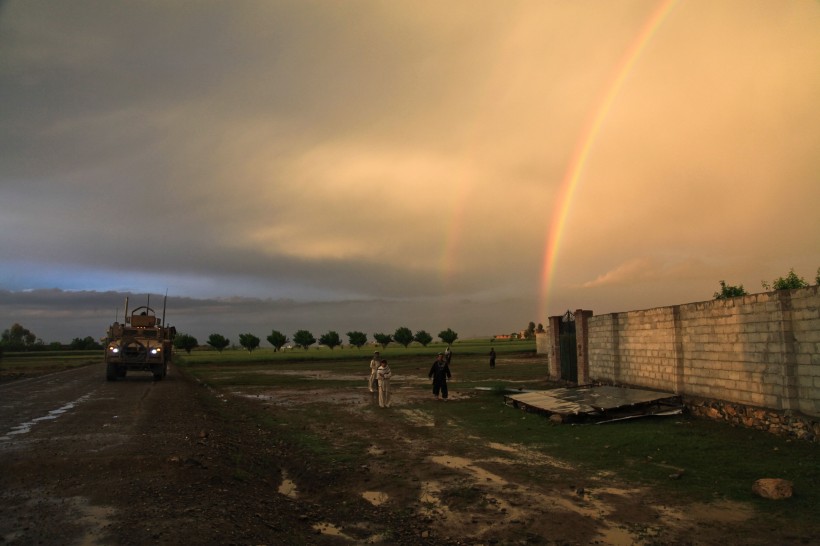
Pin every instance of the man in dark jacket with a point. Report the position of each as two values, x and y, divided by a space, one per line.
440 372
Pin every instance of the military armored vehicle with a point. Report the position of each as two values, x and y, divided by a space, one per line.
142 343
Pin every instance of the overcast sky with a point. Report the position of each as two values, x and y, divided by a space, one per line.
365 165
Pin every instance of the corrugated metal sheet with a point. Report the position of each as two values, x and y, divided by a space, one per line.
596 402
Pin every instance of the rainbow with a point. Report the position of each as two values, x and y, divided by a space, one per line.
584 146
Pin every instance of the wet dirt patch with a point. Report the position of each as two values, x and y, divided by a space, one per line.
466 490
418 418
302 397
352 398
720 512
376 498
288 486
526 456
326 528
90 520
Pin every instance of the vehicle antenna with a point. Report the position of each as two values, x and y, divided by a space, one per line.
164 302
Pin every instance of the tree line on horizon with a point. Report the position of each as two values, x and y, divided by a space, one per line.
304 339
19 338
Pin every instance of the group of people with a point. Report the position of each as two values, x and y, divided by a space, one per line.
380 375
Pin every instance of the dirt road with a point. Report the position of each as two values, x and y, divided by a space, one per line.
84 461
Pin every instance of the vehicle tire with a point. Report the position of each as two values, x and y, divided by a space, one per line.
111 372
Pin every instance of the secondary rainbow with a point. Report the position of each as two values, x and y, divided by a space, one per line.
584 146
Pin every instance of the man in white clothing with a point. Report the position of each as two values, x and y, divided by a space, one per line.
374 366
383 375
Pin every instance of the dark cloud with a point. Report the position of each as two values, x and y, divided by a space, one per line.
57 315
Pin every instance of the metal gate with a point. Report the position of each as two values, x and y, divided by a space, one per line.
569 355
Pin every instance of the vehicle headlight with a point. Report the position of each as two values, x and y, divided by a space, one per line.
114 349
155 350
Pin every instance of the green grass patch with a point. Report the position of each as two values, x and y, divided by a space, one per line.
23 356
31 363
316 353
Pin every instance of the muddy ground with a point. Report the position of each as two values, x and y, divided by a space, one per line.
172 462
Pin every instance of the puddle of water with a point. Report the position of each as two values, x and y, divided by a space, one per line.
294 398
376 498
288 487
319 374
24 428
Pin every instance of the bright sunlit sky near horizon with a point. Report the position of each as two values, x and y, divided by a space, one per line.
366 165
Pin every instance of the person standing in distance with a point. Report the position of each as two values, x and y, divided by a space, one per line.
440 372
383 375
492 357
374 366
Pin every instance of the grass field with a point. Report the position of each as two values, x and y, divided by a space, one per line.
472 348
24 364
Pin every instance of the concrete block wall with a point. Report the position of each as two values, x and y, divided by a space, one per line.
805 320
730 352
603 347
642 345
761 350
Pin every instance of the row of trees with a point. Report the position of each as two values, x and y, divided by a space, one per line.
790 282
20 338
304 339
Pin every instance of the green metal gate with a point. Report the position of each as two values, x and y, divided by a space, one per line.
569 355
